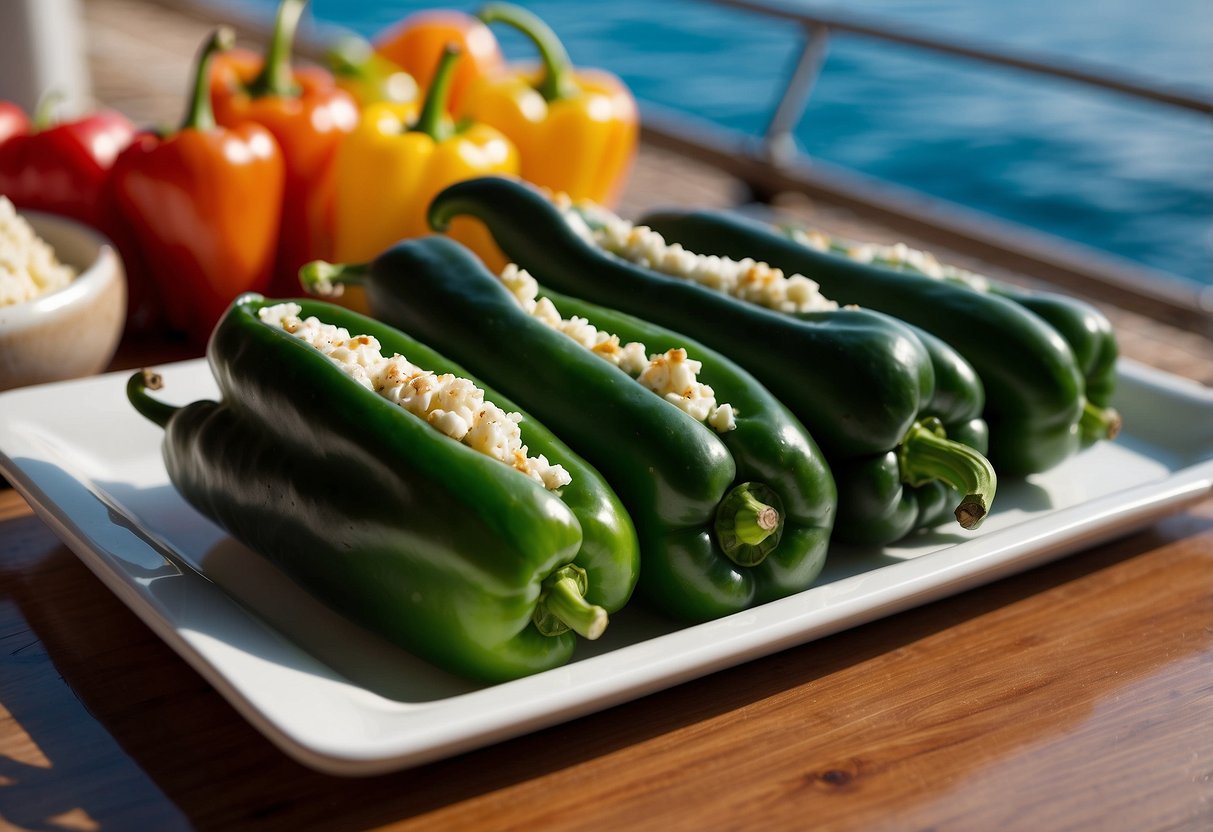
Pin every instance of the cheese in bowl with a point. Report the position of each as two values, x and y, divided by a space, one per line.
28 265
62 298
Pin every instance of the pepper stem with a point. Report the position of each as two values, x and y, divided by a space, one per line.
1099 422
749 523
562 606
200 116
926 454
557 80
329 279
433 120
275 77
153 409
44 111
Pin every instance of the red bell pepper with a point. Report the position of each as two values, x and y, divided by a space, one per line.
60 168
13 121
201 208
309 115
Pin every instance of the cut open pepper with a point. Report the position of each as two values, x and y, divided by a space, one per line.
437 546
858 380
728 516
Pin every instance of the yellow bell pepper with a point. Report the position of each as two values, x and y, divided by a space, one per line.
576 131
398 157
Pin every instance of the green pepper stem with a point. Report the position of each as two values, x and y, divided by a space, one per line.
557 79
748 523
44 111
200 115
926 455
275 77
562 606
153 409
1099 422
349 57
433 119
328 279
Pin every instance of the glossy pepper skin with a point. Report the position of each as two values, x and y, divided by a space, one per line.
309 116
576 130
859 381
676 476
434 545
417 42
60 168
1091 338
1034 391
13 121
200 209
398 157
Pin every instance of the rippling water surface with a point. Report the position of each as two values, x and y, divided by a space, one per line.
1130 177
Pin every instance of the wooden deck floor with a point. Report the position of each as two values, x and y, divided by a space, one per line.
140 53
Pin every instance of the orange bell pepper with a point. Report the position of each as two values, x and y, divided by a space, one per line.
399 157
416 43
201 208
576 130
309 115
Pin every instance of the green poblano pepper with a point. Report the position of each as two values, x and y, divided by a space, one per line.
436 546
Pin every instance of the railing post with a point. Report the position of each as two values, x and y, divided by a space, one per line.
778 144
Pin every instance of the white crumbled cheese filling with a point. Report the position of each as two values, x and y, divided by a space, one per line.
898 255
453 405
28 266
747 279
671 375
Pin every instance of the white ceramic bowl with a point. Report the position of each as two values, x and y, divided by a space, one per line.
72 331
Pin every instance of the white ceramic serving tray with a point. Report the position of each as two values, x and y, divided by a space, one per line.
346 702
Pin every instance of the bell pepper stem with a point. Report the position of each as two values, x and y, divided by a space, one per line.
432 120
200 115
557 81
562 606
748 523
329 279
44 111
1099 422
153 409
275 77
926 455
349 57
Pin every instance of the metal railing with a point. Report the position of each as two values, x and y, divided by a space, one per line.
773 164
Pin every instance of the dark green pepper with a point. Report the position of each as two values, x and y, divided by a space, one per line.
726 520
858 380
438 547
1087 330
1034 391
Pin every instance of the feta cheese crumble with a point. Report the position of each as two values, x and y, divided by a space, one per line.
747 279
453 405
28 266
672 375
897 256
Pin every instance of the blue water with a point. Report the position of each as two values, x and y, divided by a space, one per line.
1123 175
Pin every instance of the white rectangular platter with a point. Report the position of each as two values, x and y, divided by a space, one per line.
345 702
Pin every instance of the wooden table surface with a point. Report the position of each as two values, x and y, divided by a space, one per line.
1078 695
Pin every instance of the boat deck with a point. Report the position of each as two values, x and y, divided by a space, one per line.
140 54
